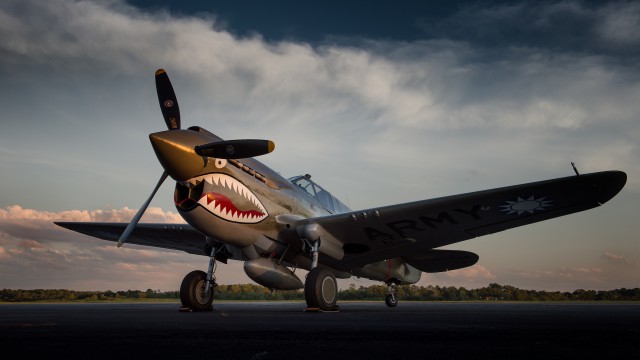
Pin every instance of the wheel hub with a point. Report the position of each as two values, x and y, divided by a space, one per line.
328 290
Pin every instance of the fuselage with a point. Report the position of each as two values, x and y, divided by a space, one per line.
237 202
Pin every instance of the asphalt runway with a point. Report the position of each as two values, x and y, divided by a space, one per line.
361 330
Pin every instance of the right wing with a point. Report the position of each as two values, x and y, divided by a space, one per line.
167 236
412 230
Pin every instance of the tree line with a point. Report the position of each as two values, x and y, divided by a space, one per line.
493 292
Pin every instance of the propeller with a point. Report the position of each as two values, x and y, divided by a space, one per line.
136 218
171 114
167 99
235 149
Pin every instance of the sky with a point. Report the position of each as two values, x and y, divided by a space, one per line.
382 103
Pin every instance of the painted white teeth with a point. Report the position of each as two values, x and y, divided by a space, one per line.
230 183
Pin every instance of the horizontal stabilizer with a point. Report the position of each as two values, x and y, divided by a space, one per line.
433 261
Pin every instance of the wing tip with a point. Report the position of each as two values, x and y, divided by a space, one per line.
63 224
609 184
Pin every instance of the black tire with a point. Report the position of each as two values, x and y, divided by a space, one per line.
192 292
321 289
391 300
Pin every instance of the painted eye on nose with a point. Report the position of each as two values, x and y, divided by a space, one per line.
220 163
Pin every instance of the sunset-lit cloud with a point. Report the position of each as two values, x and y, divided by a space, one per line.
616 259
36 253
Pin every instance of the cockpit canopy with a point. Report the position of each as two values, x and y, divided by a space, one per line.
327 200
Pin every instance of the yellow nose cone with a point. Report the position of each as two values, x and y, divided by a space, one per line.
175 151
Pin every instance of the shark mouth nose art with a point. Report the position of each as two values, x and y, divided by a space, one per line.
221 195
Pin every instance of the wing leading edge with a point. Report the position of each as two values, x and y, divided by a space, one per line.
410 230
167 236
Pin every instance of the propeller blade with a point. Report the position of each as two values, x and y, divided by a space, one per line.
134 221
235 149
168 100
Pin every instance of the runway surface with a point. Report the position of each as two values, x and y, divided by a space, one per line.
361 330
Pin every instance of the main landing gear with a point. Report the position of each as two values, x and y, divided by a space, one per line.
196 290
321 290
320 287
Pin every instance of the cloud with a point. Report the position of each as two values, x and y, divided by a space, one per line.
615 259
20 223
386 104
472 272
35 253
475 276
30 245
563 278
562 272
621 24
566 26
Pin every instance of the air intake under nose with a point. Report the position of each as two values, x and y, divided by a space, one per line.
186 198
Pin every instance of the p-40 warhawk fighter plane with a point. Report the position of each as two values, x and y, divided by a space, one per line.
239 209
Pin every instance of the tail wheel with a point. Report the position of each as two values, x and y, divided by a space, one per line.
321 289
192 294
391 300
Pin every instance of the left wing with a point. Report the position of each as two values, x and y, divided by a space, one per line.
408 230
167 236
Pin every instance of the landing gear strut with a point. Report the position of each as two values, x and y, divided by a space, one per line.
196 290
320 287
